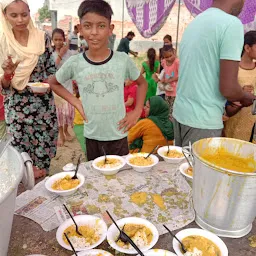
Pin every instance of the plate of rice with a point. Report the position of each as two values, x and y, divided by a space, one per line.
111 166
174 156
138 162
94 252
143 233
92 228
39 87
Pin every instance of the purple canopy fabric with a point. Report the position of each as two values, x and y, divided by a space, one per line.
248 15
150 15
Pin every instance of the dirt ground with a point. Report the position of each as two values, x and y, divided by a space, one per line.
69 153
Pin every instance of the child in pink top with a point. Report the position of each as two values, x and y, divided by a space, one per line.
130 93
170 65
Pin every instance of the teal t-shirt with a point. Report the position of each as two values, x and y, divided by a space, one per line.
212 36
101 87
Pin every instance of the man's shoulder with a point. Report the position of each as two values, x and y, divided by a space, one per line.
120 56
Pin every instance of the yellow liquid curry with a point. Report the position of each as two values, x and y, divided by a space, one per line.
233 162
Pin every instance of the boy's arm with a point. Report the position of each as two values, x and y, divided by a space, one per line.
129 102
132 117
66 95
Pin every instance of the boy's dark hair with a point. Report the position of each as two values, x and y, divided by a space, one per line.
131 34
99 7
151 58
58 31
168 37
249 39
167 48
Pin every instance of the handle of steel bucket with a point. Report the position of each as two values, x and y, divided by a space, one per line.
188 150
28 177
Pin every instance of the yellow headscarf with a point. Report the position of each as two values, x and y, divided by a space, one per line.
28 56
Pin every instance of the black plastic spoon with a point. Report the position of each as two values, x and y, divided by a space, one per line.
104 152
167 142
182 245
124 237
146 157
77 167
77 230
71 245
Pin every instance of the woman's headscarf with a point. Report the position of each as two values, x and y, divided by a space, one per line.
28 56
159 114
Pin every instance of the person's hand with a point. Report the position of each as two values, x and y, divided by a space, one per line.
163 81
247 100
129 121
79 107
63 50
236 104
248 88
155 77
8 66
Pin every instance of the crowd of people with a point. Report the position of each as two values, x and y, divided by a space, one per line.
102 91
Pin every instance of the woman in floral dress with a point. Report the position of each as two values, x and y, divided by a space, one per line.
25 57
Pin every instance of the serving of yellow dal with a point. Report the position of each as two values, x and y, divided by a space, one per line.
224 159
141 161
206 246
65 183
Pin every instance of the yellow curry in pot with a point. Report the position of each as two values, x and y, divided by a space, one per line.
233 162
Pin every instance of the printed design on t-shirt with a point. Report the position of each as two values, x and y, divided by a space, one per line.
100 84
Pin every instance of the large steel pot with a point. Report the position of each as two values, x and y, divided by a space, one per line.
224 200
18 167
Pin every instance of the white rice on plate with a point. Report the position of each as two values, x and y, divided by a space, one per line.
195 252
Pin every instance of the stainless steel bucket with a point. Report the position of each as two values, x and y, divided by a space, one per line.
224 200
14 168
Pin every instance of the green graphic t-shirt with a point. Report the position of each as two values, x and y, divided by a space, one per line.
101 87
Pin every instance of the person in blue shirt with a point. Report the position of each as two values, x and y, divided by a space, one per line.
210 52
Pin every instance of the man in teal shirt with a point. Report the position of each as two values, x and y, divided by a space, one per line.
124 45
210 53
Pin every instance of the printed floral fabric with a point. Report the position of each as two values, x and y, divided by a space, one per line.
31 118
150 15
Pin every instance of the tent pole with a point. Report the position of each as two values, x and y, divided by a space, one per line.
178 26
123 21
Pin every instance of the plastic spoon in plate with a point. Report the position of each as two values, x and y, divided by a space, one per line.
71 245
124 237
155 148
182 245
77 230
104 152
77 167
167 142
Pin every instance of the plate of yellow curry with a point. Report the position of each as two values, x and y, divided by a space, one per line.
63 184
140 163
143 233
200 242
174 156
92 228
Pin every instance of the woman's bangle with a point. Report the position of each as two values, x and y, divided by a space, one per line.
9 77
60 57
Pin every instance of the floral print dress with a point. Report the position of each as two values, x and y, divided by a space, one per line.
31 118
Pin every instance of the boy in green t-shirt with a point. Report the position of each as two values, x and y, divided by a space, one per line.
100 74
